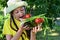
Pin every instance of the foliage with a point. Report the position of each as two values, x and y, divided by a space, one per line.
3 3
50 7
2 19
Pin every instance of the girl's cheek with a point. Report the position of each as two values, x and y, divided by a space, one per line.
15 15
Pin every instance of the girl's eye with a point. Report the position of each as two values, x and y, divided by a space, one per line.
16 11
21 10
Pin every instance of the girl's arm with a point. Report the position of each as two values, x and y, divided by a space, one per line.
16 37
34 31
18 34
33 36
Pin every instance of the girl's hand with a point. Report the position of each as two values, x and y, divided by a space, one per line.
36 29
24 27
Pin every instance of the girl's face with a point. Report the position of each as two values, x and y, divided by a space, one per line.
19 13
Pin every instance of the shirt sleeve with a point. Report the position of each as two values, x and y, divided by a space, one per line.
6 28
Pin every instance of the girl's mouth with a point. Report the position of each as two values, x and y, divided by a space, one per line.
22 16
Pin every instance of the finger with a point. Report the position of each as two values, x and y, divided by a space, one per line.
35 29
38 28
27 28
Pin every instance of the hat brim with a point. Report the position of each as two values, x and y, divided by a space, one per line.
14 6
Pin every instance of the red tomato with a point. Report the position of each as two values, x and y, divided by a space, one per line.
39 20
27 15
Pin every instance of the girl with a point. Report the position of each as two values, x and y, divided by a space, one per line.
12 28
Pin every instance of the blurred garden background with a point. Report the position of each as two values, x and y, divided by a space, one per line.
36 7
